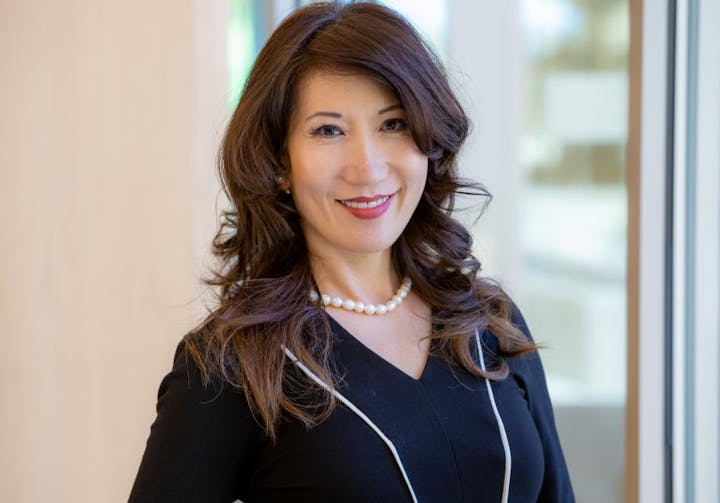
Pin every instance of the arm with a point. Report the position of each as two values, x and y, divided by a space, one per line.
201 444
528 370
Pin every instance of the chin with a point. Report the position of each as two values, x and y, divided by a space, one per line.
373 245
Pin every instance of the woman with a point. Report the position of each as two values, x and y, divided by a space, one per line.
354 355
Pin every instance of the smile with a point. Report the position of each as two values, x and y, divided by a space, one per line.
365 204
367 208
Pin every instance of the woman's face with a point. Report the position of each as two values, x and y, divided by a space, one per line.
356 175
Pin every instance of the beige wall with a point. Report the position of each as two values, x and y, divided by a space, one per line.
106 194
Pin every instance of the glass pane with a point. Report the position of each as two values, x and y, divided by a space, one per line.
573 225
429 18
247 31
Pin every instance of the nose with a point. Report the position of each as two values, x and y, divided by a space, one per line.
366 162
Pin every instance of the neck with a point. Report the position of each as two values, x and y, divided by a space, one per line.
370 277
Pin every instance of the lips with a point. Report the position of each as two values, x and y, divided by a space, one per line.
362 202
367 207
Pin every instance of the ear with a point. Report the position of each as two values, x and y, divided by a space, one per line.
283 180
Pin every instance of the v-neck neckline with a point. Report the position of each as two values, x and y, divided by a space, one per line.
344 333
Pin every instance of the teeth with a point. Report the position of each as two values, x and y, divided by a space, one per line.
366 204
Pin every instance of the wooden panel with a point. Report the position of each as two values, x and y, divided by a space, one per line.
96 266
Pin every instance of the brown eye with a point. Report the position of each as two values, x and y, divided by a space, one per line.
327 131
393 125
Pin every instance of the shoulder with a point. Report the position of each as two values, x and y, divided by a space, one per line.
521 365
202 441
518 320
515 319
185 389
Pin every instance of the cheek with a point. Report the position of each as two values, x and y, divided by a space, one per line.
312 187
413 157
303 166
309 186
418 171
316 174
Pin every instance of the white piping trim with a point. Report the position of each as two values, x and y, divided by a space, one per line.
501 426
360 414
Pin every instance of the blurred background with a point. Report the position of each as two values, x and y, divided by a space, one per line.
111 117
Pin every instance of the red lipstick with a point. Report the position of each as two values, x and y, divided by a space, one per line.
367 207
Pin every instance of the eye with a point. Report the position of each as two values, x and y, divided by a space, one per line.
394 125
327 131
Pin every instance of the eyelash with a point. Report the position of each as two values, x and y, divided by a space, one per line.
325 128
401 125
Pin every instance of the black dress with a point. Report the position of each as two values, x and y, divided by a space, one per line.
205 445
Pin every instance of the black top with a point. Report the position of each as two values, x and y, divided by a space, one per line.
205 445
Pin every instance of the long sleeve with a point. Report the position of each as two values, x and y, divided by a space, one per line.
528 371
201 443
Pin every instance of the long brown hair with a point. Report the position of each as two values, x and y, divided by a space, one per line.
264 274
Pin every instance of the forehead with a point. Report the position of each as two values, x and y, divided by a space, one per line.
328 89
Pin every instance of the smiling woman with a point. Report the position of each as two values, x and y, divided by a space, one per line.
356 354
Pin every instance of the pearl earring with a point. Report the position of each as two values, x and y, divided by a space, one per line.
281 181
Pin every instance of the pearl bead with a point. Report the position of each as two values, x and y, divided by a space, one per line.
361 307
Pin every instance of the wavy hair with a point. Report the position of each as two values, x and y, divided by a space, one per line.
264 276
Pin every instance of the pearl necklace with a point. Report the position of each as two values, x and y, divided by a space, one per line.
362 307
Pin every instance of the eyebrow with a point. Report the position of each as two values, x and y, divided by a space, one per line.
390 108
337 115
323 114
